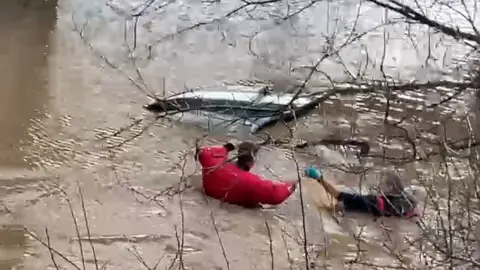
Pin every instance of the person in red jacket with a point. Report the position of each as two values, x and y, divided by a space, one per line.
232 182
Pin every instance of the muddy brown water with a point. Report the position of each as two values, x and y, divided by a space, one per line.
59 101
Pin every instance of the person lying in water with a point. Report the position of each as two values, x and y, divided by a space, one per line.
232 182
393 201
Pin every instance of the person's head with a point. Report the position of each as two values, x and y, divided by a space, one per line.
398 197
247 152
392 184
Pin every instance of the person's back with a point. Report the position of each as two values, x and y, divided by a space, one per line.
392 202
216 170
378 205
233 183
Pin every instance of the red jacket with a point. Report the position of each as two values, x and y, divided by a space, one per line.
223 180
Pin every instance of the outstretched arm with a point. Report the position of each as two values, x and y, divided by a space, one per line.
317 174
270 192
330 188
351 201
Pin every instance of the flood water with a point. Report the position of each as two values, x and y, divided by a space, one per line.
24 51
61 105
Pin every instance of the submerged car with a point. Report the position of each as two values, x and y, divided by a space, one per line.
234 108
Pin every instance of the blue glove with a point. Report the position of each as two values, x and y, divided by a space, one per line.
313 172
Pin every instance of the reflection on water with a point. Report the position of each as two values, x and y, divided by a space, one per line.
13 243
24 36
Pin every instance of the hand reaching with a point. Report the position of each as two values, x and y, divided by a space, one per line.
229 146
314 173
293 186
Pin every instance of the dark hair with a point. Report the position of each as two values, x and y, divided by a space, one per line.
248 147
395 182
246 153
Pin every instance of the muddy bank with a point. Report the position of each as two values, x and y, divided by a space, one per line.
24 73
25 33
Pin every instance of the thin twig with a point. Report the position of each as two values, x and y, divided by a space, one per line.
304 218
75 223
52 255
87 226
217 232
270 242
